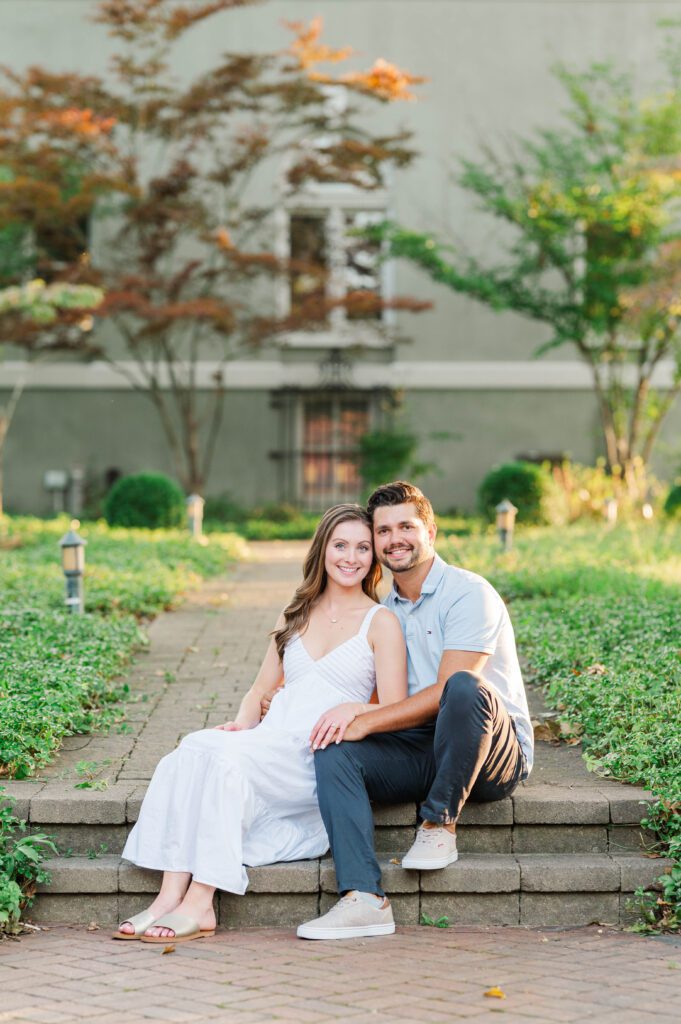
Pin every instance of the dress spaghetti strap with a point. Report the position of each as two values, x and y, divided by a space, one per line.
364 628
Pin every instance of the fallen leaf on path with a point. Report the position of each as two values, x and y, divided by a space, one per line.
495 993
167 949
394 860
192 650
93 926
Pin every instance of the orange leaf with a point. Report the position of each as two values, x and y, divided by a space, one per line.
495 993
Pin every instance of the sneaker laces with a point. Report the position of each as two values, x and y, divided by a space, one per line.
346 900
428 836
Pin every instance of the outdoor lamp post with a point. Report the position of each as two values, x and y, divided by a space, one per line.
73 563
195 505
610 509
506 513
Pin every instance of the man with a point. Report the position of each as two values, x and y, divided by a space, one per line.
463 731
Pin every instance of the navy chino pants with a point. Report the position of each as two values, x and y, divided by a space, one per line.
470 750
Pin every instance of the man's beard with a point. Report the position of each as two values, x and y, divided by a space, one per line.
403 565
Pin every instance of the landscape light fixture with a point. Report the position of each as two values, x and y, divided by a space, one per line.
195 505
610 510
73 563
506 513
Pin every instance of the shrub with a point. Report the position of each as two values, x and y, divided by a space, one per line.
146 499
222 508
672 505
21 864
529 487
586 489
275 512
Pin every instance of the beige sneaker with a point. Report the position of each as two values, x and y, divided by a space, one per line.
432 848
351 918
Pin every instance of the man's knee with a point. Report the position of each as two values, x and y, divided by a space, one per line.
333 763
462 690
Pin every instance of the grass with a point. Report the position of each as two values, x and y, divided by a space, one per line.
60 673
597 616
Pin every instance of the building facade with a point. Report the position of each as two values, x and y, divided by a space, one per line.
467 382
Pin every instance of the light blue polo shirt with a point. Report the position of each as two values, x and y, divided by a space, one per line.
460 611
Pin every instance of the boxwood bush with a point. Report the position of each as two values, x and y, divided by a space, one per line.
145 500
528 486
672 505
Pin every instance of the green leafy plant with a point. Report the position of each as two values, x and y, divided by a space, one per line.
435 922
588 243
528 486
89 771
145 499
22 859
672 505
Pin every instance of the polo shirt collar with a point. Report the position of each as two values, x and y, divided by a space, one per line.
432 580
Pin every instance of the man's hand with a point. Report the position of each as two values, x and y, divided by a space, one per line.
267 700
357 730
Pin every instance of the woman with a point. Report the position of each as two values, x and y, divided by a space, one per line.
245 792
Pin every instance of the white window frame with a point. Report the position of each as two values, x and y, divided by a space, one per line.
330 202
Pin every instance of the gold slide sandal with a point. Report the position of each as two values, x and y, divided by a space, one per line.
140 923
185 928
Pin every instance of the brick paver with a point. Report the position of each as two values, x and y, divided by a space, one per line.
249 976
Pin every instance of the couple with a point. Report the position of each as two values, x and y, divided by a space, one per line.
451 723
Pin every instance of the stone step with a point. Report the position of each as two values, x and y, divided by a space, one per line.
536 819
528 889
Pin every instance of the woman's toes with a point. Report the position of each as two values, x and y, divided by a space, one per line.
126 928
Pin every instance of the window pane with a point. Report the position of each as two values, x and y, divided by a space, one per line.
362 270
308 252
318 425
354 421
331 431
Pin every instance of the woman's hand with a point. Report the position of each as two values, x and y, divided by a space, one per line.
333 723
266 700
230 727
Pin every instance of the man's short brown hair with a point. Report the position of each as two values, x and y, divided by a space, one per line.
399 492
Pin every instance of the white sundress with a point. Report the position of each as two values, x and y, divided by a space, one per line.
222 800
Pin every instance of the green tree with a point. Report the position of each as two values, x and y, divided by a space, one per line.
589 244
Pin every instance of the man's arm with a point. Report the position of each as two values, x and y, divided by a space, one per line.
423 706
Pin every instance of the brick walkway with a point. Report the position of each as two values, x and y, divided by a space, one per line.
246 977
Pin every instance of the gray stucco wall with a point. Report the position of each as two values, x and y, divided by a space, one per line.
99 430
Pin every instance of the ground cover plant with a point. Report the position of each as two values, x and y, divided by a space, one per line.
21 864
58 672
598 618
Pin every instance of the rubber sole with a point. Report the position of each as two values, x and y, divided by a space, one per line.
413 864
169 939
345 933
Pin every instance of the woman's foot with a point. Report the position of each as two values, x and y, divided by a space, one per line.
197 904
175 885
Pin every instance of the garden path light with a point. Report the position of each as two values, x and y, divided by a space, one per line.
195 505
73 563
506 513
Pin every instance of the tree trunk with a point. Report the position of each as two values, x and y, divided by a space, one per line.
6 416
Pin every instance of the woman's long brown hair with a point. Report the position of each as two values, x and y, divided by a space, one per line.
297 612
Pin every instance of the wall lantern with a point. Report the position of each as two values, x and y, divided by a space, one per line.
506 513
195 505
73 563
